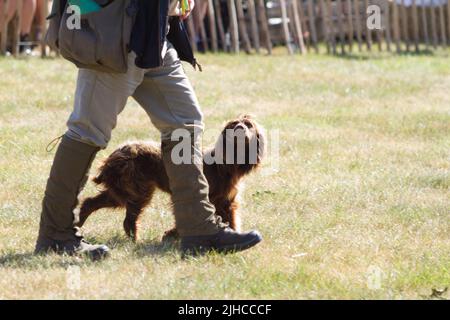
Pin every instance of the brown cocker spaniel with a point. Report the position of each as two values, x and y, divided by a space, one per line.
132 173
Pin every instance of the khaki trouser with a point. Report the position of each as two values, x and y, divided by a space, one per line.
167 96
165 93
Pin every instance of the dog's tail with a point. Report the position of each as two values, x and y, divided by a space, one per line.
117 170
120 175
104 174
110 176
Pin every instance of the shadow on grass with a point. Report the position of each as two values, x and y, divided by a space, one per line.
424 52
376 55
142 248
156 248
17 260
29 260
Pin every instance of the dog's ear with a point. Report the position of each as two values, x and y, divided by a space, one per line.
219 147
262 147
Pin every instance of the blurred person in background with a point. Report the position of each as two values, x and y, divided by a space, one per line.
31 11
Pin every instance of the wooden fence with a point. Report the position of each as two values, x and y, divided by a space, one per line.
342 25
301 25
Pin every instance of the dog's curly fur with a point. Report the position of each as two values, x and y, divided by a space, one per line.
133 172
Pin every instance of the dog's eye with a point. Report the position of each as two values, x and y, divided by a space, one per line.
248 124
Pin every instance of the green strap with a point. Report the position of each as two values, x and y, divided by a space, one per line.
86 6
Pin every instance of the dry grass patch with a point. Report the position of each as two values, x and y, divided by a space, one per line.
363 183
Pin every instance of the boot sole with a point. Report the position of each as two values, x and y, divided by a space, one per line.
242 247
223 250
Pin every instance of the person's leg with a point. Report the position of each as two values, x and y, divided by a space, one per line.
11 10
28 12
168 97
99 98
2 13
40 18
5 18
7 12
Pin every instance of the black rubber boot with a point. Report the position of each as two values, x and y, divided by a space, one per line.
225 241
200 229
68 176
194 213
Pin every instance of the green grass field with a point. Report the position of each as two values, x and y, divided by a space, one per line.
359 208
